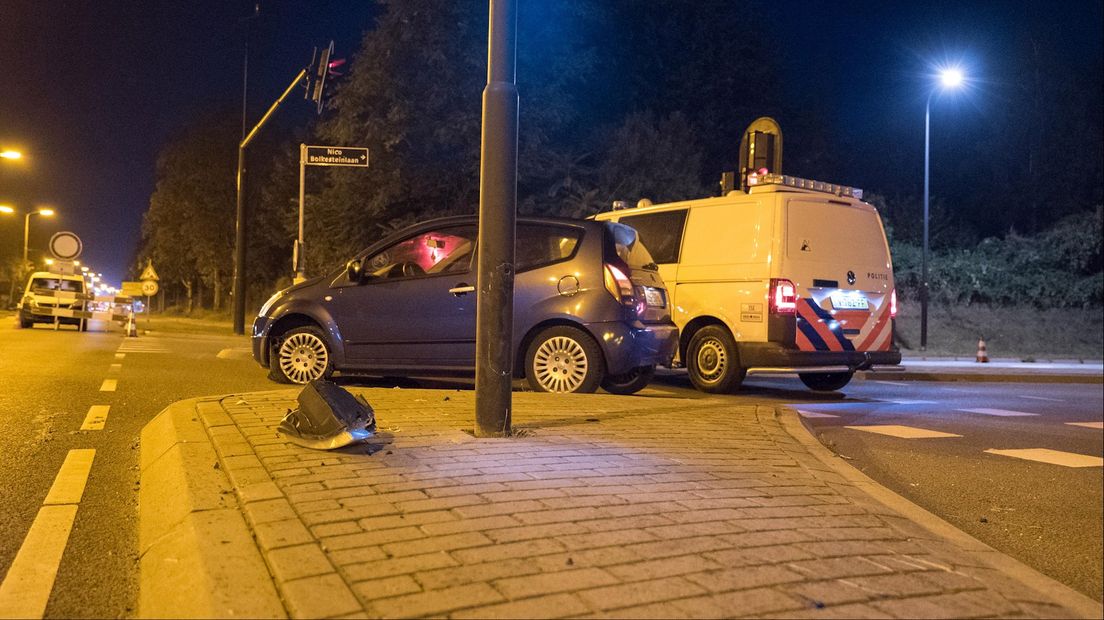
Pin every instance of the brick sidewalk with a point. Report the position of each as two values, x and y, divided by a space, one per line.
603 506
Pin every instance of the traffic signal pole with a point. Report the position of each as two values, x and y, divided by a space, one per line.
497 214
240 229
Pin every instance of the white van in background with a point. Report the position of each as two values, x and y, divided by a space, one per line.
791 276
48 296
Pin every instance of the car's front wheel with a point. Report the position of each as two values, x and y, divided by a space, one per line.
301 356
825 382
629 383
25 323
713 361
563 359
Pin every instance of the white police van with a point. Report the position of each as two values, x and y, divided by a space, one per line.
787 275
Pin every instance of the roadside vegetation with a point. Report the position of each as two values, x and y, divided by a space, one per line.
636 111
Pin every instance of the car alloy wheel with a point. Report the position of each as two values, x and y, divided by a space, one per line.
564 359
303 357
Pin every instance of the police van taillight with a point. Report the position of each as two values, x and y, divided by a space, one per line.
893 304
783 296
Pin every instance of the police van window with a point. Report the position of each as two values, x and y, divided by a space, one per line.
54 284
538 245
661 233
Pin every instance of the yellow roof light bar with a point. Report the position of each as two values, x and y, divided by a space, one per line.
800 183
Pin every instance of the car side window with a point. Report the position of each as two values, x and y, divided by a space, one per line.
537 245
661 233
432 252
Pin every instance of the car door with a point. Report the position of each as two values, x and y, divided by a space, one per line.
415 307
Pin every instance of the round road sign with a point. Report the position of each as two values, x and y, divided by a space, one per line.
65 245
149 287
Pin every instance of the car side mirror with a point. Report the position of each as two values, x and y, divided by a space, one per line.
354 270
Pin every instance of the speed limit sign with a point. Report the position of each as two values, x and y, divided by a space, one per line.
149 287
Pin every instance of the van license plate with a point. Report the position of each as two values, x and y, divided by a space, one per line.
654 297
849 300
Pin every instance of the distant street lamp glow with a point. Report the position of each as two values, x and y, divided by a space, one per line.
6 209
46 212
951 78
9 154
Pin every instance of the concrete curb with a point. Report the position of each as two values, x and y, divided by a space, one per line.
197 556
982 377
1012 568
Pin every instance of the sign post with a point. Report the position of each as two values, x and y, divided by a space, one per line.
347 156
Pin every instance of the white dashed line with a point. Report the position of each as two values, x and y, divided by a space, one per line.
890 382
109 385
904 432
96 418
114 368
1054 457
912 402
815 414
1004 413
1097 425
30 579
1053 400
120 356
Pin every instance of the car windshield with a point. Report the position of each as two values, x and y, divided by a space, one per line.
56 284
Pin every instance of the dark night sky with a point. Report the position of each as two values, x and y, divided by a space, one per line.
90 90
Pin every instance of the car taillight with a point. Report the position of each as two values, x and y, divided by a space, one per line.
618 284
893 304
783 296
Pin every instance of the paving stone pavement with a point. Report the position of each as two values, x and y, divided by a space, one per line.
600 506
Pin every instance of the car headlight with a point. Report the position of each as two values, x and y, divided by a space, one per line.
271 301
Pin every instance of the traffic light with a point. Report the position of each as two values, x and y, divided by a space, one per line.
322 66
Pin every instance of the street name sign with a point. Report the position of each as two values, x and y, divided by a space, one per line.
131 289
355 156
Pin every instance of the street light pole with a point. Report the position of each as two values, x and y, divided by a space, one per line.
924 256
494 314
27 228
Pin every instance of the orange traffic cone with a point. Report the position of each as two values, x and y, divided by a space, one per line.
982 354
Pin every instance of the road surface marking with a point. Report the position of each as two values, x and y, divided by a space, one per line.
1004 413
890 383
109 385
114 368
120 356
1099 425
96 418
1054 457
69 484
814 414
1053 400
912 402
26 588
138 345
904 432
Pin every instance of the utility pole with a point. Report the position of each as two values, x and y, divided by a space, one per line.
497 215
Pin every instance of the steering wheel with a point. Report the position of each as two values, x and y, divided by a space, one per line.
411 270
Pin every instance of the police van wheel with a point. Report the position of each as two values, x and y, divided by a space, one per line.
713 361
629 383
301 356
825 382
25 323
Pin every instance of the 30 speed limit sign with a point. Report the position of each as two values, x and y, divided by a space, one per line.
149 287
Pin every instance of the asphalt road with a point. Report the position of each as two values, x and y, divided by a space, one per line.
1049 516
52 379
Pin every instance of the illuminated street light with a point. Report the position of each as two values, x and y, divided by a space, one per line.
10 154
950 77
6 209
27 227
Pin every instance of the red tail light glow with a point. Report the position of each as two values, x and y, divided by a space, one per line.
618 284
783 296
893 304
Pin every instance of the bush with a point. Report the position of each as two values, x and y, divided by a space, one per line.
1058 268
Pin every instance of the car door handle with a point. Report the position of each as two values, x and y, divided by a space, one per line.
461 289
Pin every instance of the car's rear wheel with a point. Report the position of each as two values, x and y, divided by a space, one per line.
826 382
563 359
301 356
713 361
629 383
